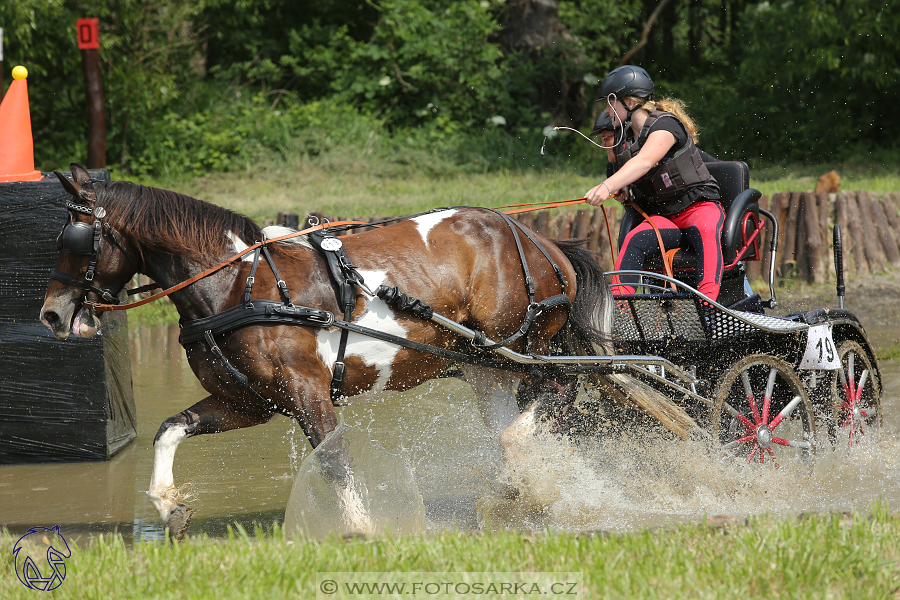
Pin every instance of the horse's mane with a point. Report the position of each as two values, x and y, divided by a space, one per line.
172 223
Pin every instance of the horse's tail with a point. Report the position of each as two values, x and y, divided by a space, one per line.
590 326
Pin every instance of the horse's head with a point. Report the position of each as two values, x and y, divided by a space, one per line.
93 263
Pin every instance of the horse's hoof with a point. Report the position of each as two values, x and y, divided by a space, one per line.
178 521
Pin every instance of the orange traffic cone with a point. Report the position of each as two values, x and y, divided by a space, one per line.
16 143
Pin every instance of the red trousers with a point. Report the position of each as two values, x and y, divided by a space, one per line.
700 225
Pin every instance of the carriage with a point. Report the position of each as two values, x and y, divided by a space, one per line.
757 381
471 288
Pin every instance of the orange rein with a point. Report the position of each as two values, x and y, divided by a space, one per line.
104 307
529 207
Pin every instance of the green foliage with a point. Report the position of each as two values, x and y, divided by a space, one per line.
215 84
428 64
816 79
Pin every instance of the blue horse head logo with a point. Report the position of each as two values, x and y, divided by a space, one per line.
27 570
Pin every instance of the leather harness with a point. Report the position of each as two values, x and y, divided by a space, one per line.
347 279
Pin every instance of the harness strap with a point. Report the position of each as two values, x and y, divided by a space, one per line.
535 309
559 274
282 286
260 312
239 378
85 285
252 277
345 275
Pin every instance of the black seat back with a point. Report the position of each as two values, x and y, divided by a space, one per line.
733 177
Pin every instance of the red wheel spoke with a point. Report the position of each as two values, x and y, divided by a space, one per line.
750 458
785 412
774 460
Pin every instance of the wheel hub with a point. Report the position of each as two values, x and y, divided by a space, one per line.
764 436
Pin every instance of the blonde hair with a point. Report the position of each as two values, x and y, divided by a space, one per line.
674 106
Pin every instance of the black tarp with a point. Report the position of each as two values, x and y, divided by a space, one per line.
60 401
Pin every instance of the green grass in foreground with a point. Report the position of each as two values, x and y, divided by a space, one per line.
820 556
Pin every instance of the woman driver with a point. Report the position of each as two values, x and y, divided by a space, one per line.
655 153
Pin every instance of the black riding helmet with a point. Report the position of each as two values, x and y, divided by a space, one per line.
627 80
604 122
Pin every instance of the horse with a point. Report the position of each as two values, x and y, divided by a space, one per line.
462 262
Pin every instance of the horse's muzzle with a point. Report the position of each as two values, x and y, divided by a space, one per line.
64 314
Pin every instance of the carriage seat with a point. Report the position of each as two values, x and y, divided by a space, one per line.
741 204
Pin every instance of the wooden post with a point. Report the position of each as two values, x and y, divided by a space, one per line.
891 252
889 202
542 223
565 224
871 241
89 44
825 204
789 254
856 234
581 226
813 242
526 218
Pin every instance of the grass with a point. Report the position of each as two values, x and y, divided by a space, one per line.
348 183
818 556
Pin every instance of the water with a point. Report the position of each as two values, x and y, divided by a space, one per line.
617 483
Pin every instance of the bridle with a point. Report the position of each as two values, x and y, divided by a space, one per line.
84 239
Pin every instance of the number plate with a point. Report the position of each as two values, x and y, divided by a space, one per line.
820 351
331 244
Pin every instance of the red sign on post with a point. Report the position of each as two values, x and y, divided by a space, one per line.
88 33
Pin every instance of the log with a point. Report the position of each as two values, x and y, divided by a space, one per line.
814 243
526 218
788 261
888 243
825 203
542 223
856 235
565 224
801 260
840 218
889 203
871 243
779 209
581 226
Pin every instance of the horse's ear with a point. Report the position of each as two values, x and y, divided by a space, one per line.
79 174
71 187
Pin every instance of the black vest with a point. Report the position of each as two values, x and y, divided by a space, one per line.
669 181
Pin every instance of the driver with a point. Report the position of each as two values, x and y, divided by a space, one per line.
655 153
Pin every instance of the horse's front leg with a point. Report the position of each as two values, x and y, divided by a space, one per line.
213 414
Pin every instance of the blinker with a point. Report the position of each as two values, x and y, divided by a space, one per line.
77 239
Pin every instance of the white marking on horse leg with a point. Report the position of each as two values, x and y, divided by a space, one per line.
516 439
355 515
162 490
495 392
425 223
375 353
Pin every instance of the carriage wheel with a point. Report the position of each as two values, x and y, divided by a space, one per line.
762 412
857 400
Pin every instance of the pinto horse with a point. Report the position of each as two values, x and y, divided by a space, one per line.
462 262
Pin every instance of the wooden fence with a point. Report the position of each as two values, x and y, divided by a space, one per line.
870 231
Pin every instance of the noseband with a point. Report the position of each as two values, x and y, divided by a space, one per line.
82 239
